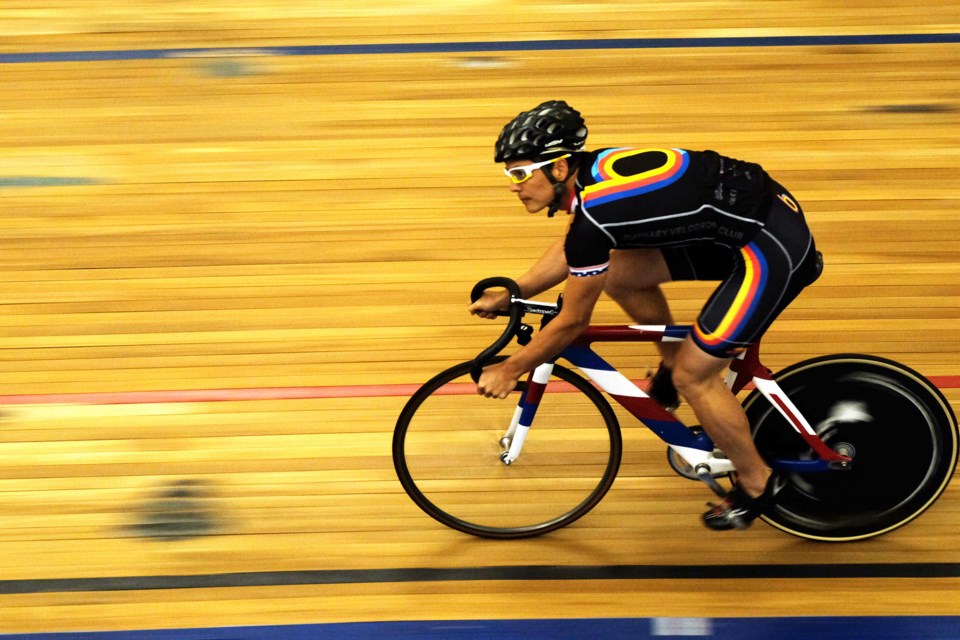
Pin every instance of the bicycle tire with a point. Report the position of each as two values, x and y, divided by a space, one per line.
446 454
903 435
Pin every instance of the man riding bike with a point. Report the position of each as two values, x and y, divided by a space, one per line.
640 217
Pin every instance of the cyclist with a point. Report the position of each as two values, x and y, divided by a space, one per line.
642 217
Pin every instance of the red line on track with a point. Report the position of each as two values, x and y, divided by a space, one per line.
213 395
269 393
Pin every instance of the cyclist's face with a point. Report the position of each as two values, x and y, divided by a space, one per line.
536 193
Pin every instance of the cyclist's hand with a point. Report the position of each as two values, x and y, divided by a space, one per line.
495 382
489 303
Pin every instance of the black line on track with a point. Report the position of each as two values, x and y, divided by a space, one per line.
483 574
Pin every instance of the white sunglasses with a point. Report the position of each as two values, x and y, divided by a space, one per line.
524 173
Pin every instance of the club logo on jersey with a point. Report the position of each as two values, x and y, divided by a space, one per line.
652 169
790 202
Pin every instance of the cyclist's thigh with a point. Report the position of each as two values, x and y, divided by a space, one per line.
699 262
768 274
637 268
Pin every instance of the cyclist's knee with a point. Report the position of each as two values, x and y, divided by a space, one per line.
695 371
688 381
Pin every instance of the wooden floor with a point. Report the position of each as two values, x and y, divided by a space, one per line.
293 238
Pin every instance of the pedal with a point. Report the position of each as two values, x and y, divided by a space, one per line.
704 474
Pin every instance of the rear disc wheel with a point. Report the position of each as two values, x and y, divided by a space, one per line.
897 427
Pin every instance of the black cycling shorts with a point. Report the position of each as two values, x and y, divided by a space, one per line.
759 279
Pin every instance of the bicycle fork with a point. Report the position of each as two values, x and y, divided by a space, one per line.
512 442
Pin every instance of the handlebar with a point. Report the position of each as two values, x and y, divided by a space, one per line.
518 307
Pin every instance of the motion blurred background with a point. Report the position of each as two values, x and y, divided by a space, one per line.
235 236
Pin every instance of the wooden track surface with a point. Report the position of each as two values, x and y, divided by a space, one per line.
253 222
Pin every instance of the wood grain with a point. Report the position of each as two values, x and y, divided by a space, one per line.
252 221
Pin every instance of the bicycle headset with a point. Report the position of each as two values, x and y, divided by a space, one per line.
551 128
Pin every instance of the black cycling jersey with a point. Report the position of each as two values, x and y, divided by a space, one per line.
713 218
630 198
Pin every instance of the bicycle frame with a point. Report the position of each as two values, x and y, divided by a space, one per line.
696 448
856 405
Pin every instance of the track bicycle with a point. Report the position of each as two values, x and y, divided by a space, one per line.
862 445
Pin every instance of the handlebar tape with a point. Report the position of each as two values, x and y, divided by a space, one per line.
515 313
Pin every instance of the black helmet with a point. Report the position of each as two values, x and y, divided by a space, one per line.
553 126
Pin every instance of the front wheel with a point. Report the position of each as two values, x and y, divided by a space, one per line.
447 454
897 427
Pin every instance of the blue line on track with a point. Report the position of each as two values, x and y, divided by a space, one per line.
487 47
821 628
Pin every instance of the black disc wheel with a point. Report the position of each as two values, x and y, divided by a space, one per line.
897 427
447 449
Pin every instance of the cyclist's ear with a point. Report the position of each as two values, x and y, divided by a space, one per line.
566 167
561 170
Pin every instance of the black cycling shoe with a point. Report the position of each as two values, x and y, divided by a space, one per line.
662 390
738 510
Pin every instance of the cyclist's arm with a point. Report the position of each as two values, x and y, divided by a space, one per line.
587 256
548 271
579 297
